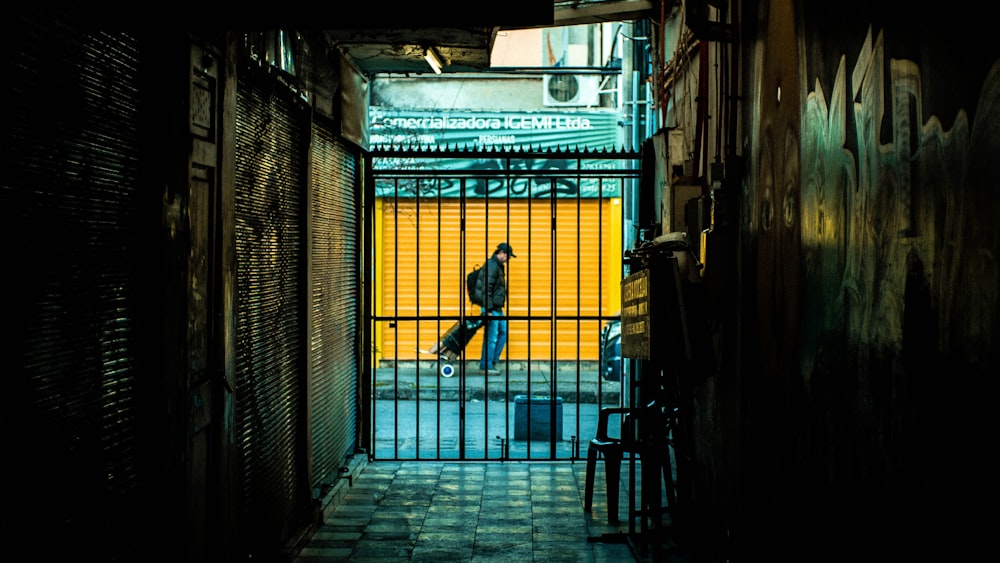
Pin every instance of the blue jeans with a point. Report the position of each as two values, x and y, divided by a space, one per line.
494 340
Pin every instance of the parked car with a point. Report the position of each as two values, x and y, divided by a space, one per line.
611 351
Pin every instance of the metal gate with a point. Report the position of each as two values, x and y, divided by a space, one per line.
434 216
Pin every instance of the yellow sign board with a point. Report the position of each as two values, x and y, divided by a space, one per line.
636 326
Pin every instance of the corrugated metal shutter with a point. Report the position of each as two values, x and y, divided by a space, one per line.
335 302
271 306
73 308
421 272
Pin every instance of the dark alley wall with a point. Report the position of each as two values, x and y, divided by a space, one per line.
851 411
854 301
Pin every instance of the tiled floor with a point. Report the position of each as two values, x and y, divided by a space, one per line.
476 511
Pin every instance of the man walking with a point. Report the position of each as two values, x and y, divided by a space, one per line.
493 288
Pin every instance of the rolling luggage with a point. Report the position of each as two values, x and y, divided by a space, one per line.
453 342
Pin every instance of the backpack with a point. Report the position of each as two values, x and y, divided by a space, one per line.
471 280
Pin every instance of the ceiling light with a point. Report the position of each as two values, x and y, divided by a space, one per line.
433 59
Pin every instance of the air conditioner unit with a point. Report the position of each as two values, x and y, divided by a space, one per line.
571 90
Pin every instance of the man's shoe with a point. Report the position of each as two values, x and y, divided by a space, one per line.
492 372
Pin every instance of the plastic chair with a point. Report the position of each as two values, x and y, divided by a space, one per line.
612 449
645 433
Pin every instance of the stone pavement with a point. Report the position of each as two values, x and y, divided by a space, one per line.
573 381
421 415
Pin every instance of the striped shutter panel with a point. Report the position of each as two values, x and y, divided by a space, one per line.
335 304
270 320
77 269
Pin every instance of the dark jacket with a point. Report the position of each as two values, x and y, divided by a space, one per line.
492 286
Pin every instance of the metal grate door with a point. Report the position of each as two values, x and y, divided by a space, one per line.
436 216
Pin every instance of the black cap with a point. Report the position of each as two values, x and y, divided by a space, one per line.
505 248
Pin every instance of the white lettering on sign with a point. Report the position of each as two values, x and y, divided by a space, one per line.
497 139
459 122
403 139
547 122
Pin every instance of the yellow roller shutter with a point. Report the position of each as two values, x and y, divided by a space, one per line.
576 266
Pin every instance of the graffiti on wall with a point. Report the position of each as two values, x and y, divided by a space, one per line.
500 177
857 192
910 193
